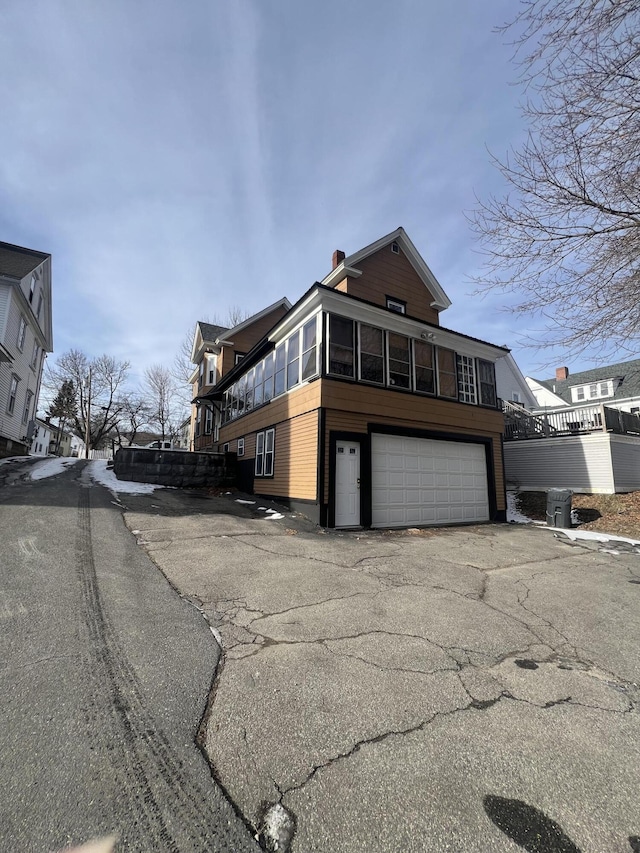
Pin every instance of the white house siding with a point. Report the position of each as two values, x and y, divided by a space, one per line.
509 379
5 290
625 455
12 426
581 463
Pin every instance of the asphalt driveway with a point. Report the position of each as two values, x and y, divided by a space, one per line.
463 689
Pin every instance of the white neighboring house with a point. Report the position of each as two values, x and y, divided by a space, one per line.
42 437
25 337
511 385
615 385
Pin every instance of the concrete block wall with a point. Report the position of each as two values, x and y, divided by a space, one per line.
179 468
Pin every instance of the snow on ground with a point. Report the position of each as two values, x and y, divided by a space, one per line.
594 535
99 472
513 515
240 501
51 467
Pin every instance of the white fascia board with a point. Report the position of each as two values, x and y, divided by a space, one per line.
441 300
337 302
284 302
340 273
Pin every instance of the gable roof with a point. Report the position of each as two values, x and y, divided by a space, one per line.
17 262
399 236
627 374
211 332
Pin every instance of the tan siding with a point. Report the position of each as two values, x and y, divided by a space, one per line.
351 407
246 339
387 274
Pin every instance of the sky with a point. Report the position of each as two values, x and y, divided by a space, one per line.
179 159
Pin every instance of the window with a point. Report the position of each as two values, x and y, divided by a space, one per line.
515 397
309 349
268 377
241 447
201 373
32 289
237 357
395 248
34 357
340 346
399 361
225 447
604 389
447 374
264 453
487 383
250 385
40 299
27 406
258 388
212 363
580 395
279 371
293 361
13 393
424 367
396 305
208 420
592 391
198 420
466 379
371 354
22 331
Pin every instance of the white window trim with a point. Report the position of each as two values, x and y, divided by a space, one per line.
22 333
396 305
466 367
241 447
14 384
262 454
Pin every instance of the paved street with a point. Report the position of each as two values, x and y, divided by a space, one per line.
470 689
105 676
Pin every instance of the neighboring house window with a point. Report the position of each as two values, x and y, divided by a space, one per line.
340 346
425 374
32 289
22 331
466 379
34 356
241 447
396 305
592 391
399 361
201 373
198 420
447 374
580 395
264 453
208 420
27 406
39 309
515 397
371 354
211 362
13 393
487 383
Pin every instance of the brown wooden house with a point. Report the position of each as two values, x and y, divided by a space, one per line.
355 406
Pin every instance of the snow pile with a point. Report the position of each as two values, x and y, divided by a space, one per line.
240 501
593 535
513 514
99 473
51 467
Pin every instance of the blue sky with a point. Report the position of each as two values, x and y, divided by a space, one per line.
180 158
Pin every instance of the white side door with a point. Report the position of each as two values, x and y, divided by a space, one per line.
347 484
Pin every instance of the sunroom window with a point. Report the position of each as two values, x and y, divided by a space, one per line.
371 354
309 349
447 374
268 377
280 370
424 367
466 379
340 346
399 361
487 382
293 361
258 392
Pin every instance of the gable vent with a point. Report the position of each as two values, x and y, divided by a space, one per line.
395 248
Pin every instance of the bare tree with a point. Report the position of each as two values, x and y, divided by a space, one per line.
566 236
99 385
160 395
135 415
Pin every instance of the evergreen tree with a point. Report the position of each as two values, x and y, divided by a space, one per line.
63 407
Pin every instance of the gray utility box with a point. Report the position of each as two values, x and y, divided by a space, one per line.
559 508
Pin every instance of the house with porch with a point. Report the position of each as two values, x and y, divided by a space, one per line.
25 339
356 406
585 429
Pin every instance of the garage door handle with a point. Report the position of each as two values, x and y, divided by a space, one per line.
358 482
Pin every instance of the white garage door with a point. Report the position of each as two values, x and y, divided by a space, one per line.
422 481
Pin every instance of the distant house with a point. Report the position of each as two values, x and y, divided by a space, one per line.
41 440
586 431
355 405
25 338
512 385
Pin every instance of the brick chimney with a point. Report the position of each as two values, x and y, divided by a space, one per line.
337 259
562 373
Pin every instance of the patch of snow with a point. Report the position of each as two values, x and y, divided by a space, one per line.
240 501
273 514
51 467
593 535
513 515
263 508
99 473
217 635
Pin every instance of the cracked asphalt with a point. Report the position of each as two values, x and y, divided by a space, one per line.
461 689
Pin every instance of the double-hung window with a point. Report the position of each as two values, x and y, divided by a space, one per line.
447 375
27 406
399 361
22 331
424 367
208 420
340 346
371 354
487 383
466 379
265 442
13 393
241 447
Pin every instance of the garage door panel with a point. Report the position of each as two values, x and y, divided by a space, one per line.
427 481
